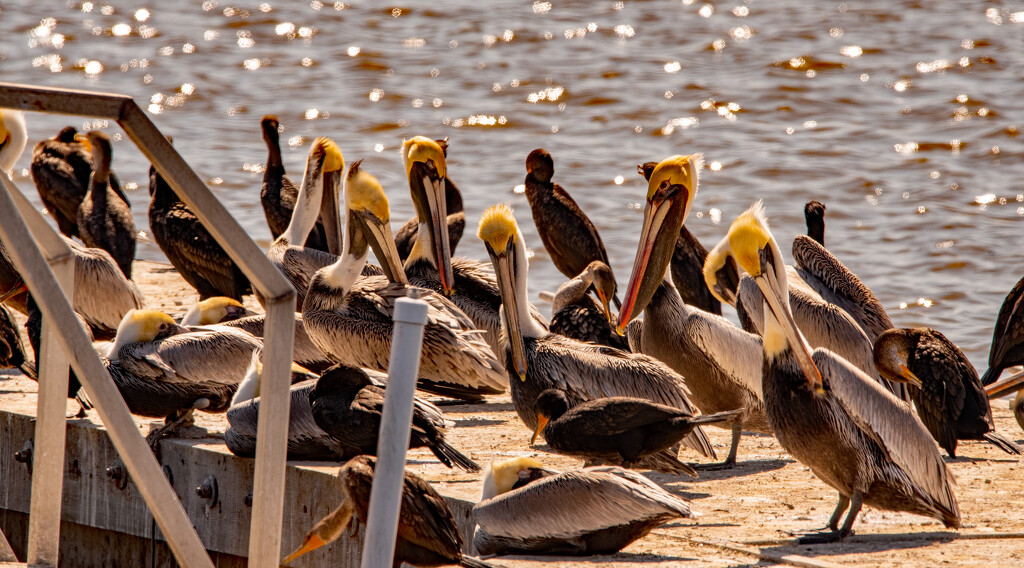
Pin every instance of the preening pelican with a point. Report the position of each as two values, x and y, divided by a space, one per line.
427 533
190 247
318 195
943 385
853 434
814 216
527 509
720 362
407 234
278 193
575 314
569 236
537 360
350 318
1007 347
13 138
104 219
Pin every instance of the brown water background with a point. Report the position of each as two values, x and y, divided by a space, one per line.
902 117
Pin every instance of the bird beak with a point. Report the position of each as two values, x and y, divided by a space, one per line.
651 260
909 376
607 309
542 421
312 542
382 240
338 519
329 212
1006 386
427 185
504 271
773 293
720 273
14 291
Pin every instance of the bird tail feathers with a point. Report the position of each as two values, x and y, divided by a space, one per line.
1002 443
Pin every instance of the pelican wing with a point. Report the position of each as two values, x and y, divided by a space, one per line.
736 352
305 352
102 293
890 422
575 503
216 354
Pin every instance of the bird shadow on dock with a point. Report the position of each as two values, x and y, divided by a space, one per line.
460 407
743 468
861 543
474 422
618 557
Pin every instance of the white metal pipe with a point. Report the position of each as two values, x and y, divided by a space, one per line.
393 441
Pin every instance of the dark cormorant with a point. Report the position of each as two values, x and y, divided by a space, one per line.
104 218
278 193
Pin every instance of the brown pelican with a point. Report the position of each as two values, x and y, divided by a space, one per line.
190 247
814 215
569 236
1007 347
350 318
527 509
427 533
319 193
852 433
347 405
1006 386
61 167
538 360
278 193
576 315
166 370
943 385
217 309
721 363
104 220
407 234
615 428
13 138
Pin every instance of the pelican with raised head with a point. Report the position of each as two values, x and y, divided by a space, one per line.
318 195
721 363
537 360
526 508
104 219
408 233
852 433
351 318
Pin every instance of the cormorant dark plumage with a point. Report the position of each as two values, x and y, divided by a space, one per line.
104 219
278 192
427 533
190 247
347 405
814 215
34 330
943 384
571 239
12 354
615 428
1007 347
575 314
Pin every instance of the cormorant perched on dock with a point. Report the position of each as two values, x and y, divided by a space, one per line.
575 314
944 386
278 193
347 405
1007 347
190 247
814 215
427 533
104 219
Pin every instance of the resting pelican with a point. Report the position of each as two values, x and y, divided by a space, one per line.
538 360
427 533
350 318
407 234
217 309
1007 347
527 509
943 385
319 193
1007 386
814 216
851 432
166 370
721 363
278 193
576 315
104 219
571 239
190 247
13 138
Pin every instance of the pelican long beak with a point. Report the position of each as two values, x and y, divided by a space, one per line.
504 271
329 212
1006 386
779 306
332 525
382 241
643 281
14 291
429 184
542 421
909 376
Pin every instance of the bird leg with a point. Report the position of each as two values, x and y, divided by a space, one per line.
836 534
181 419
730 462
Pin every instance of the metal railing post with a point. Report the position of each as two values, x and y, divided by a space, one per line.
386 494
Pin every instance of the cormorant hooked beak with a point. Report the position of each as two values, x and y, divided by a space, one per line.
542 421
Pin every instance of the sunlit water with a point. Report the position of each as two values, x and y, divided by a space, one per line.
902 117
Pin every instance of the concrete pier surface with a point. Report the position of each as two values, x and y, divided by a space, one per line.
741 517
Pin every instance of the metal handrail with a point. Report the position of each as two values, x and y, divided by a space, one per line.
271 445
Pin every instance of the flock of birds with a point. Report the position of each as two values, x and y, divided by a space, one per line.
817 362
